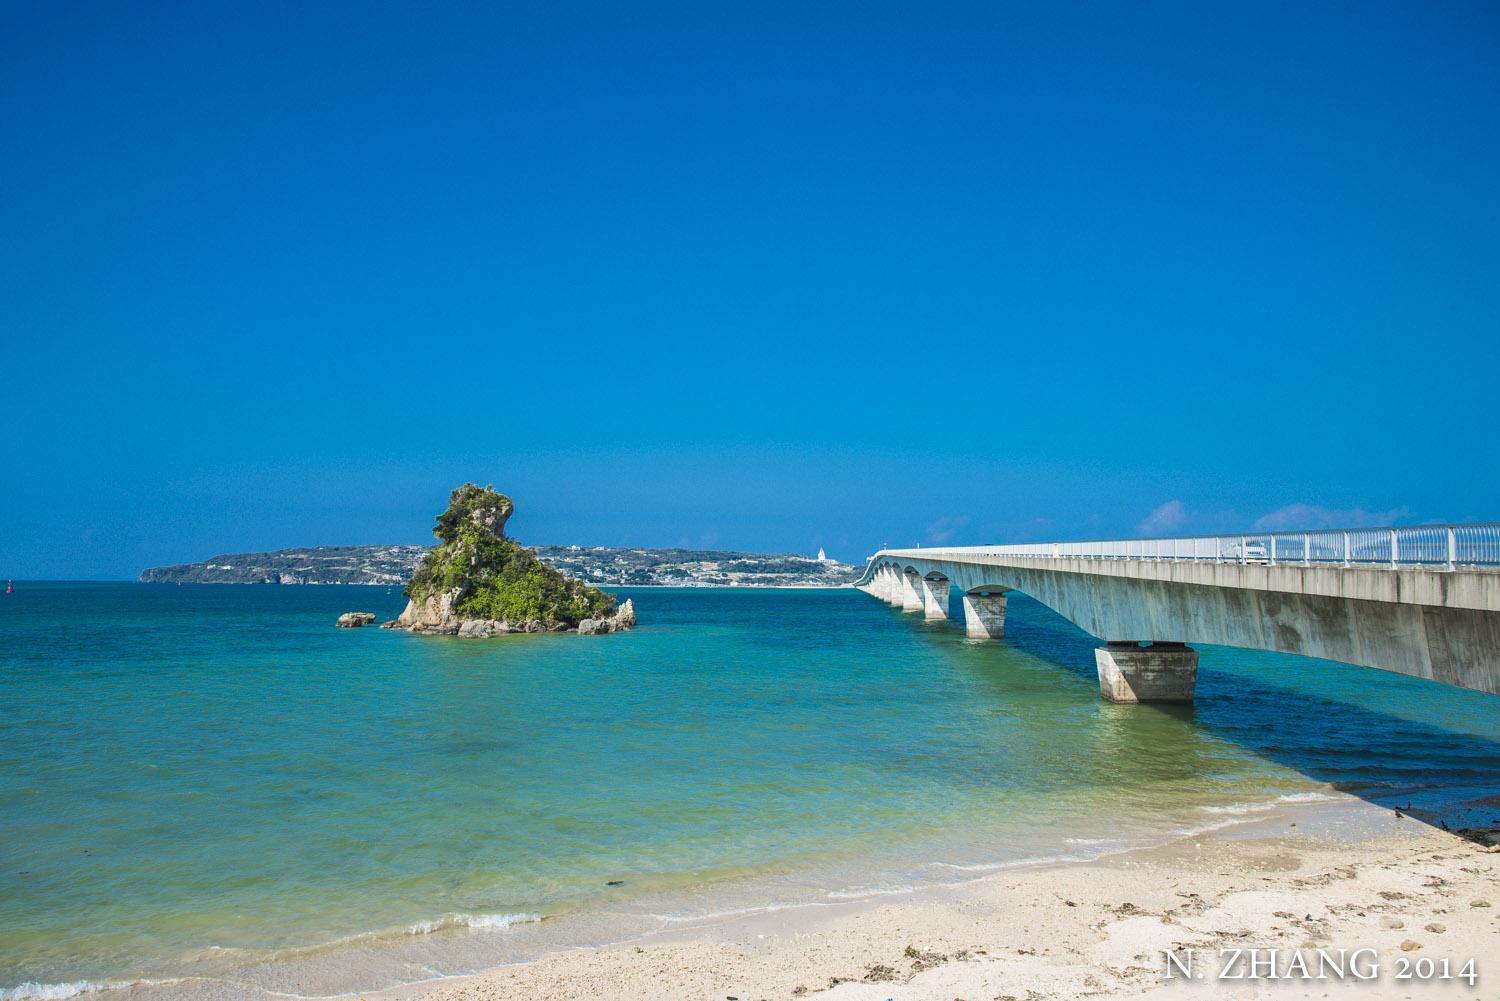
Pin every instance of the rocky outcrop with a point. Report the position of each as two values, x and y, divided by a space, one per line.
478 583
624 618
435 615
354 620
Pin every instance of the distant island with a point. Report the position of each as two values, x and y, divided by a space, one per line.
393 566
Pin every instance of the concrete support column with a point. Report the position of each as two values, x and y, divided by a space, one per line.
935 598
1161 672
888 586
911 593
984 616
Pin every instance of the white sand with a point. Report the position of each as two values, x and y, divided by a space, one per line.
1094 929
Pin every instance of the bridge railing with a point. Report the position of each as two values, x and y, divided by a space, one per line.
1446 547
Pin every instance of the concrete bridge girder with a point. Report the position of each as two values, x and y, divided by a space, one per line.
1444 626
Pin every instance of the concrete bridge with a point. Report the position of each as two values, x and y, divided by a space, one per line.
1422 601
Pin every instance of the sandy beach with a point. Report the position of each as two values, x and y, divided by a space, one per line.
1358 878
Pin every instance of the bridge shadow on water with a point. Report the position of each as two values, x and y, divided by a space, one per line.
1388 739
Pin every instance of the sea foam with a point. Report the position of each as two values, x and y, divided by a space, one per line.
33 991
478 921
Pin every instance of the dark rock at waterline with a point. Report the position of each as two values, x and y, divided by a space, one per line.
615 882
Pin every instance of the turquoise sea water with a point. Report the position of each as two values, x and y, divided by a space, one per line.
214 783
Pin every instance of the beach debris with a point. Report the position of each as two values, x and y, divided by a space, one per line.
1393 923
1479 903
878 972
1408 945
799 989
354 620
923 960
1435 928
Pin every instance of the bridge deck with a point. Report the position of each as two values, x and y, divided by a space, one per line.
1422 601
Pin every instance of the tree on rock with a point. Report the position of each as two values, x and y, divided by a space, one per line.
478 574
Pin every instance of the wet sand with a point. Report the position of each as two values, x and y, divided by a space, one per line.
1354 878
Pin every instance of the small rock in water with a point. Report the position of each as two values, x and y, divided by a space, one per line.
353 620
615 882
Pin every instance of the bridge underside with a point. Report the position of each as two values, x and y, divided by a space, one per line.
1453 645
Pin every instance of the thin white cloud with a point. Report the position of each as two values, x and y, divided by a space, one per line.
944 529
1299 516
1164 520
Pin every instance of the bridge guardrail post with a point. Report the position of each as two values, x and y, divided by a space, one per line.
1452 548
1346 549
1394 550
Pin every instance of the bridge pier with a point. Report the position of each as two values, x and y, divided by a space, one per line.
890 589
897 594
935 598
1161 672
984 616
911 592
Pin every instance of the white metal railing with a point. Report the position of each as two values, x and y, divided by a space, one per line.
1444 547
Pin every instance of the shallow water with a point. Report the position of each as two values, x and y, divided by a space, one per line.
213 781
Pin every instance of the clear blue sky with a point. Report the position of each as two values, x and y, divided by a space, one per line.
769 276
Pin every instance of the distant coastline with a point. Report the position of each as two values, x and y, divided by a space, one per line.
600 566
